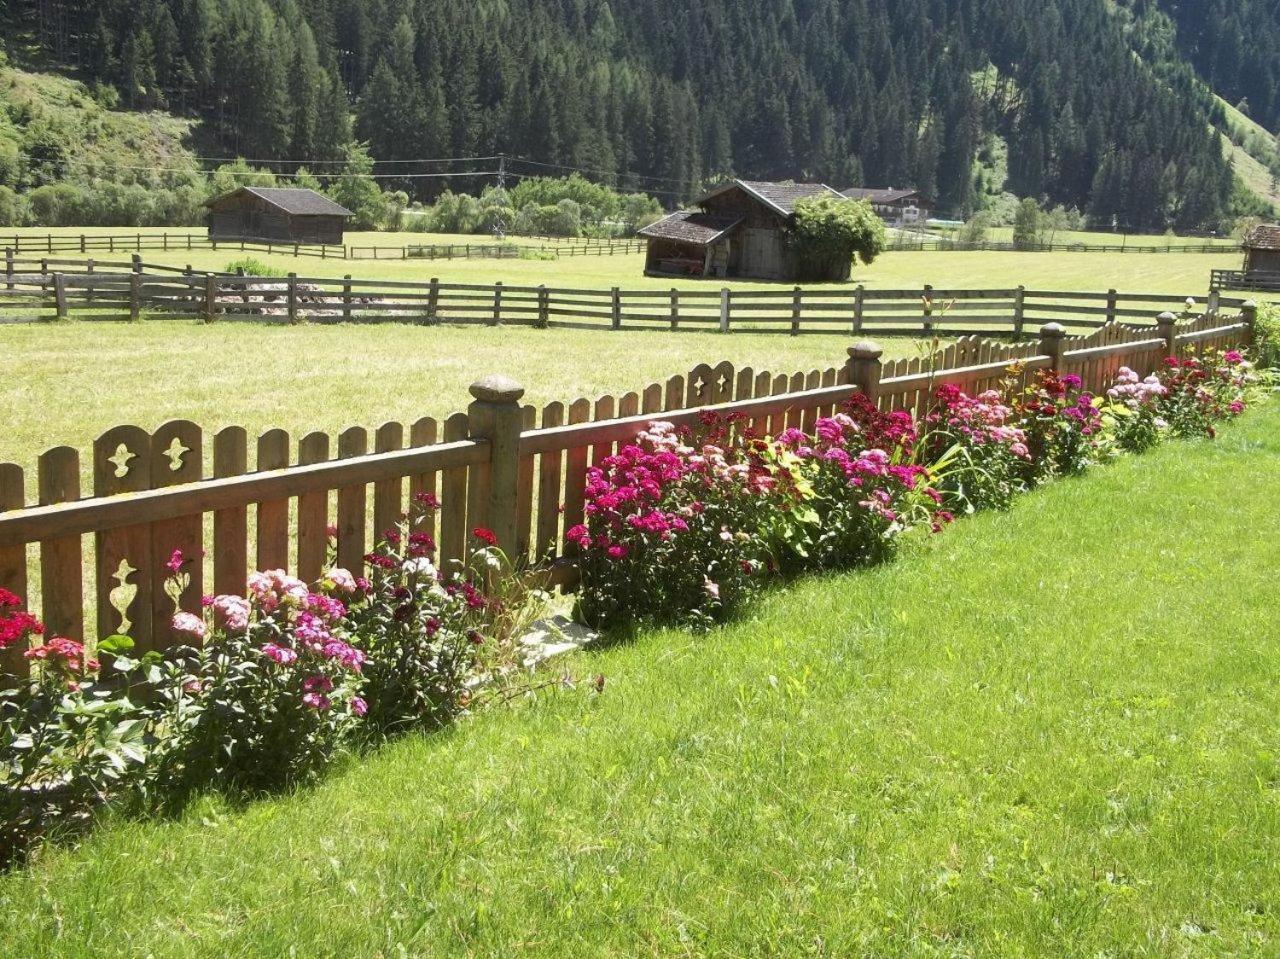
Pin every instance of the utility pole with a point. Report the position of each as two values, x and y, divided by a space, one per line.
499 225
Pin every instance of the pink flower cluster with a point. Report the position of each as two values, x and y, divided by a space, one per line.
1136 391
271 589
983 419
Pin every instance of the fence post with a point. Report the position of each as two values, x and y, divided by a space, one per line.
544 307
1051 337
859 299
346 298
1249 313
81 243
675 308
724 310
615 308
433 301
293 297
8 268
496 416
864 368
1212 307
927 303
1019 311
1112 302
135 296
210 297
1167 325
497 304
795 311
137 262
60 295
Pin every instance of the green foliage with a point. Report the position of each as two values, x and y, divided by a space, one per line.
252 267
1027 225
832 232
361 196
1267 336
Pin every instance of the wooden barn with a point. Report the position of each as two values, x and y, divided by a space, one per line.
277 214
1262 249
738 229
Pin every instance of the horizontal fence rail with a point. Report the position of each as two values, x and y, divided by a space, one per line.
58 290
508 466
1262 281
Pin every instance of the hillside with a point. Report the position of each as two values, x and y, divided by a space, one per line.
663 95
55 130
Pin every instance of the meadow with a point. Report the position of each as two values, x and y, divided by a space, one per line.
79 378
1182 274
1048 732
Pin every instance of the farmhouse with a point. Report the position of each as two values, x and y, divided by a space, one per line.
269 213
896 207
1262 249
738 229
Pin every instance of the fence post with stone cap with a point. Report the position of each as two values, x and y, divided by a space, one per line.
1052 336
864 368
495 416
1167 327
1249 314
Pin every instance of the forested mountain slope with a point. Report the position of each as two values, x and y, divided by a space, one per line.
665 94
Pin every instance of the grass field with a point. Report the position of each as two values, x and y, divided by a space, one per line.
81 378
1046 733
1179 274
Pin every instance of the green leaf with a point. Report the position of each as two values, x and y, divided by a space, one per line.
115 644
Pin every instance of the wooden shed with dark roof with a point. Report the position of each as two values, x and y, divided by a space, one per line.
738 230
1262 249
276 214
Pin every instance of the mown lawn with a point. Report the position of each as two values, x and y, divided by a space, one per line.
1046 733
72 381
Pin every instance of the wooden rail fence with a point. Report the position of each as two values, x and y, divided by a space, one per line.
515 469
51 244
103 295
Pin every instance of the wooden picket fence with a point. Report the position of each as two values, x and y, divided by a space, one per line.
510 467
146 293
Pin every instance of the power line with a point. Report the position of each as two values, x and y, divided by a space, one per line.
614 174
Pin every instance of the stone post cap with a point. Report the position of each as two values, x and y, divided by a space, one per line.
1249 305
866 350
496 388
1052 330
1166 317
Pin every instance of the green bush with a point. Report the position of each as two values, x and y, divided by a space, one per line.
831 232
252 267
1266 344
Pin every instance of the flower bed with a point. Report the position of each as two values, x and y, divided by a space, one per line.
682 527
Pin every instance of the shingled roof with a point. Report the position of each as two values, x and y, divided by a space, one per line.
692 226
1264 237
296 201
890 195
781 197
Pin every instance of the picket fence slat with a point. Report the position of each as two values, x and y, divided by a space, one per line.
273 514
122 464
352 505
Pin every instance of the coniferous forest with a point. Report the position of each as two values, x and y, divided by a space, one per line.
665 95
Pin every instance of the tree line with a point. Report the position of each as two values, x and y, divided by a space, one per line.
665 96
